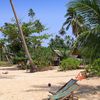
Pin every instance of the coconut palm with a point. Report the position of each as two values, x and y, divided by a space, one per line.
31 13
74 20
89 10
89 40
32 68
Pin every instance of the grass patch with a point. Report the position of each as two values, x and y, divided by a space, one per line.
4 64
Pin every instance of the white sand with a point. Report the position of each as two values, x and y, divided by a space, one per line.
19 85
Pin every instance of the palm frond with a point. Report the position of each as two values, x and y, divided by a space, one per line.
89 42
89 9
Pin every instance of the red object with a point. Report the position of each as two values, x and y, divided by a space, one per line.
80 76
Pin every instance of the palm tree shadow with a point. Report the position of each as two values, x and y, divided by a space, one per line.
84 90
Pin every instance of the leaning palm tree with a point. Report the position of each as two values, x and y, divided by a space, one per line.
32 68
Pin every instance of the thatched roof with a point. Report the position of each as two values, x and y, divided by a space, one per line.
59 53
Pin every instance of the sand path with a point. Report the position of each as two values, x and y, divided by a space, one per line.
19 85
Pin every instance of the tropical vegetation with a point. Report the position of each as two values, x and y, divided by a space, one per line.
23 40
84 17
69 64
12 42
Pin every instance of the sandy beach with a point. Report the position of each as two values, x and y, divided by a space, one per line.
19 85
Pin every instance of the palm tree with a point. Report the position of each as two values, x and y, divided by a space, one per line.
89 10
89 40
74 20
32 68
31 13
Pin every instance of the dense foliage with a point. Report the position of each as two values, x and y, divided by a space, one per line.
42 57
31 29
63 45
69 64
94 69
84 18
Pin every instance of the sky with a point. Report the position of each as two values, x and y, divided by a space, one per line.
49 12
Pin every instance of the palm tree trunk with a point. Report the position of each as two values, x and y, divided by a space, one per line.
32 68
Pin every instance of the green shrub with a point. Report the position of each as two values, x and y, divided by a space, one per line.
94 69
42 58
69 64
17 59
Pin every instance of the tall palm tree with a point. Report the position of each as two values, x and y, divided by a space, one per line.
74 20
32 68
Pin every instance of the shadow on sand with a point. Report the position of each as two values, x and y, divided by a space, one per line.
43 88
84 89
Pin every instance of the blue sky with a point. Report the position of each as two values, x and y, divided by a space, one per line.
50 12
